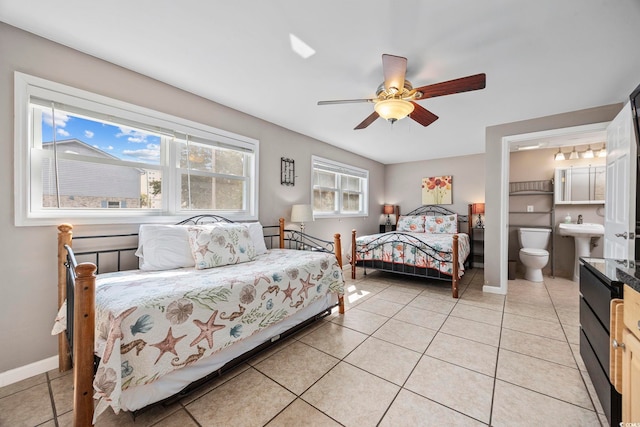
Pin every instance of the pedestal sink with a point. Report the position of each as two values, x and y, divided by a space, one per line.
582 235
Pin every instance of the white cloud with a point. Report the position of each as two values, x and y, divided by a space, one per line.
88 134
150 153
63 132
110 147
61 118
132 135
96 146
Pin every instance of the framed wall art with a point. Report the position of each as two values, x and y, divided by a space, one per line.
287 171
437 190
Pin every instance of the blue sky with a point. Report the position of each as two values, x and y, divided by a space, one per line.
119 141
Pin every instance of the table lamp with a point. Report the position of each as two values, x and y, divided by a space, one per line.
301 214
388 210
478 208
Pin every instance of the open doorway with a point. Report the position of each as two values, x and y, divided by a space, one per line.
554 176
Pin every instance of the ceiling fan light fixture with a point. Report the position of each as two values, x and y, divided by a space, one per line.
394 109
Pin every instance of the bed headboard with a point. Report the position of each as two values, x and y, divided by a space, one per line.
437 210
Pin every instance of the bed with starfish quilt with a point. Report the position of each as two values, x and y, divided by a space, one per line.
158 330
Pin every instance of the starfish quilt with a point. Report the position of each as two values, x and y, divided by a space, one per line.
151 323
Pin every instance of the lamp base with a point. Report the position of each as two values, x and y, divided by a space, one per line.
479 223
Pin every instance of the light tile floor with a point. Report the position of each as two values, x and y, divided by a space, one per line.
404 354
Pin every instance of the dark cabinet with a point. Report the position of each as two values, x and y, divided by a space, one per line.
386 228
596 291
477 248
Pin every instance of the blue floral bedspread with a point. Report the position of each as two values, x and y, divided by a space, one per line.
152 323
425 250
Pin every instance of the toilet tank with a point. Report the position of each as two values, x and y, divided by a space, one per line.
534 237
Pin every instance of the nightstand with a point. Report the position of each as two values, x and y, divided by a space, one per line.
477 248
386 228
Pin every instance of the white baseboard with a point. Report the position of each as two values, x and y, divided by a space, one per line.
28 371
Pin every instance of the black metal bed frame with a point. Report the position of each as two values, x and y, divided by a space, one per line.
413 244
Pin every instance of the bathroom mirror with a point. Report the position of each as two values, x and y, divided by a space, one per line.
580 185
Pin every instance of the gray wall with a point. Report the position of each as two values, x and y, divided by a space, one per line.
403 181
496 226
28 294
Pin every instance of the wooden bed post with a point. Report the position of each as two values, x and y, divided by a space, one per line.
353 254
83 338
455 278
281 223
65 232
338 250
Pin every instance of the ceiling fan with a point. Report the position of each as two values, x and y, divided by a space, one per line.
395 97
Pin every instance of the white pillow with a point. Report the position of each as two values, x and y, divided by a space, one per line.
257 236
164 247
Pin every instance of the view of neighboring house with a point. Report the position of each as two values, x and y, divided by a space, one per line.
91 185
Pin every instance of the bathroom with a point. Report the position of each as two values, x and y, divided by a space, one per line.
536 161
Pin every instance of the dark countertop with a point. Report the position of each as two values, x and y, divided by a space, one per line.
630 276
627 272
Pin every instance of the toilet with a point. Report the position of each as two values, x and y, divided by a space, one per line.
533 254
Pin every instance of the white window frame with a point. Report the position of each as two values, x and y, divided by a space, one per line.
27 86
341 169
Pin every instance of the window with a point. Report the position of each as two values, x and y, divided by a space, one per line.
339 189
93 159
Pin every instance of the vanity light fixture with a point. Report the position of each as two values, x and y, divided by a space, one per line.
559 155
588 154
603 151
573 155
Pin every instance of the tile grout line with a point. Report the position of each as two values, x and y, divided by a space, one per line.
53 403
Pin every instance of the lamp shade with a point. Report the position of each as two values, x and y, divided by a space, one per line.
574 154
477 208
588 154
393 109
388 209
301 213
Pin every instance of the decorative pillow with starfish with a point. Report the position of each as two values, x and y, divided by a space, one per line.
218 246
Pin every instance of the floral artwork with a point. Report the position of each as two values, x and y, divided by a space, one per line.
436 190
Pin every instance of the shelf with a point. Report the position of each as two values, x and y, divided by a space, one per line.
532 193
535 212
531 226
536 188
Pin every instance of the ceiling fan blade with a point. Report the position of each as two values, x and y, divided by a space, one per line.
422 115
394 69
366 122
464 84
346 101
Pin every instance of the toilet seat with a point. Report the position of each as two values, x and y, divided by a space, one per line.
534 252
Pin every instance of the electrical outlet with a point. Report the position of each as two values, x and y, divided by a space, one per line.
529 208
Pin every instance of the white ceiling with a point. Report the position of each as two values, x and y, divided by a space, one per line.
541 57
